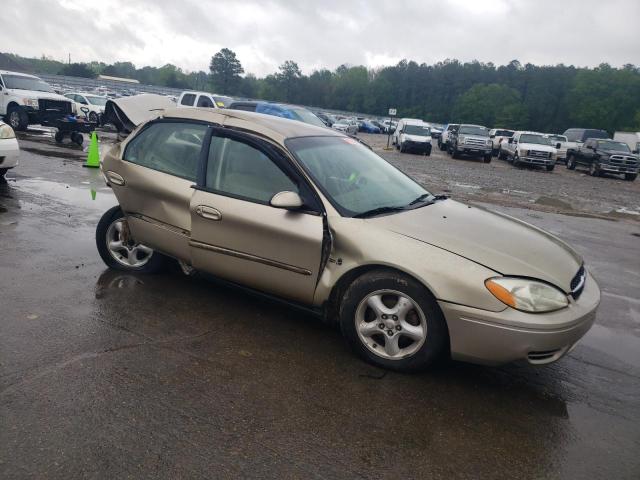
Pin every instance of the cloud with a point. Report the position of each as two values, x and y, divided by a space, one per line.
327 34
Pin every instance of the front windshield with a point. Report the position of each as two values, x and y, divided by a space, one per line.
536 139
354 179
306 116
93 100
26 83
419 130
474 130
617 146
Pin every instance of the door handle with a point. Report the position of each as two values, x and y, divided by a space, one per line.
209 213
114 178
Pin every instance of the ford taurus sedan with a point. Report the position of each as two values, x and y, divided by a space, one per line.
310 215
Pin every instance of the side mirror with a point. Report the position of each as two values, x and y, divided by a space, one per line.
1 87
635 152
286 200
590 147
511 140
85 110
492 136
558 145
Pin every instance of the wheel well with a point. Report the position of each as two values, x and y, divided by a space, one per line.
12 104
337 292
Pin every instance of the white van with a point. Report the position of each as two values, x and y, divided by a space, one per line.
203 100
412 134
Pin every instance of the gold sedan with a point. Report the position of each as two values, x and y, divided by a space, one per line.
312 216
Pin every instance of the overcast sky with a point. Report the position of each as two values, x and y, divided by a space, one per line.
324 33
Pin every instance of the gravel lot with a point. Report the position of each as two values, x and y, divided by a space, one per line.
560 191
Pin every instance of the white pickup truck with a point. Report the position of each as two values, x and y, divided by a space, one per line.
26 99
530 148
203 100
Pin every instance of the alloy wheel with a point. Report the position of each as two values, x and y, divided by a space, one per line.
391 324
122 247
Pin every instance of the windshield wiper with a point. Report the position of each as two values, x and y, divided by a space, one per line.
421 198
378 211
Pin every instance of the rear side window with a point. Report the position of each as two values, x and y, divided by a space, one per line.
188 99
204 101
240 170
172 148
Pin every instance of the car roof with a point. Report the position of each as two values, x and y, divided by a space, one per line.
276 127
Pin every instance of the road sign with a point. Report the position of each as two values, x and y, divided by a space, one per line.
392 112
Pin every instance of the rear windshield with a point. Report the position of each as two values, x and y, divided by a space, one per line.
504 133
306 116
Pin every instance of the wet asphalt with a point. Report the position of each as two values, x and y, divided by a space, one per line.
111 375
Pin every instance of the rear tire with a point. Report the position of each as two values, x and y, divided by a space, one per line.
630 176
414 333
108 233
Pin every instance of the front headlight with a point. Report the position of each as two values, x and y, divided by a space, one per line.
461 139
489 142
31 102
527 295
6 132
523 152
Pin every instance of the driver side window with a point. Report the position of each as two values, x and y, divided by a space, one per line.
240 170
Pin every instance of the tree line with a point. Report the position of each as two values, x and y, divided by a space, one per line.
540 98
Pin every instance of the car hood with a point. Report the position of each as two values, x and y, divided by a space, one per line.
127 113
40 94
537 146
494 240
416 138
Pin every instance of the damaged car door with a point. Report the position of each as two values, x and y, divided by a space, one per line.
245 228
154 182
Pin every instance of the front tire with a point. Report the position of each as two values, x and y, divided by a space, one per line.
392 321
454 152
550 168
3 172
630 176
487 158
119 251
17 118
594 171
571 162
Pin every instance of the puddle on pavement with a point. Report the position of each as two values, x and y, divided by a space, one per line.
74 195
624 347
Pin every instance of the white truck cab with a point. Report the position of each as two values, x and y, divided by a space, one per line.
203 100
412 134
27 99
531 148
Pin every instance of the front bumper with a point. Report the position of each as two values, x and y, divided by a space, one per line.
475 149
9 152
605 167
495 338
417 146
537 161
